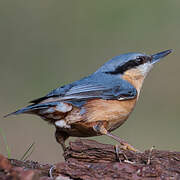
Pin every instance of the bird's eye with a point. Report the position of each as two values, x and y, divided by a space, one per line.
140 60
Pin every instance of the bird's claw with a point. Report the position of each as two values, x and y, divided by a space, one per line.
126 146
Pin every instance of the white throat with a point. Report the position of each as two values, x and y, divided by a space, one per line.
145 68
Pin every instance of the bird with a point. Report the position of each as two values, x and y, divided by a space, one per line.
98 103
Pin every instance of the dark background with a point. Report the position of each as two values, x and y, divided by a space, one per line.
45 44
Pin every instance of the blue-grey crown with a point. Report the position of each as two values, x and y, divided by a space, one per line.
118 61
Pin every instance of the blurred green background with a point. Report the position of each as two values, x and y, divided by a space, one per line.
47 43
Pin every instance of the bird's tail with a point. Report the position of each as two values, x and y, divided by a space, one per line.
32 108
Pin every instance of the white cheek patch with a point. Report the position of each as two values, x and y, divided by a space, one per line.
62 124
62 107
145 68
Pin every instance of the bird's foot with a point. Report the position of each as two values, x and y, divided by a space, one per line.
118 152
126 146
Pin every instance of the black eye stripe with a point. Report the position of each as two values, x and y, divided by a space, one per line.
128 65
124 67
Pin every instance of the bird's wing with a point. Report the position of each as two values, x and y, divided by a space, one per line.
78 93
92 90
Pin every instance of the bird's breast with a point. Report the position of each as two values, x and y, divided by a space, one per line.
111 113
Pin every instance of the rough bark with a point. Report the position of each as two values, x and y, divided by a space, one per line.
90 160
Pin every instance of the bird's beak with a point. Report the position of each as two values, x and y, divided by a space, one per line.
158 56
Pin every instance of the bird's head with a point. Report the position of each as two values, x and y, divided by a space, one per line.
132 66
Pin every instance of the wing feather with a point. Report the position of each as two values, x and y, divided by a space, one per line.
80 91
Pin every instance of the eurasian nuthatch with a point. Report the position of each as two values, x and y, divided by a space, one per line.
98 103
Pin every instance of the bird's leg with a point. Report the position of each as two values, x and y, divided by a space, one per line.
61 138
102 130
124 144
